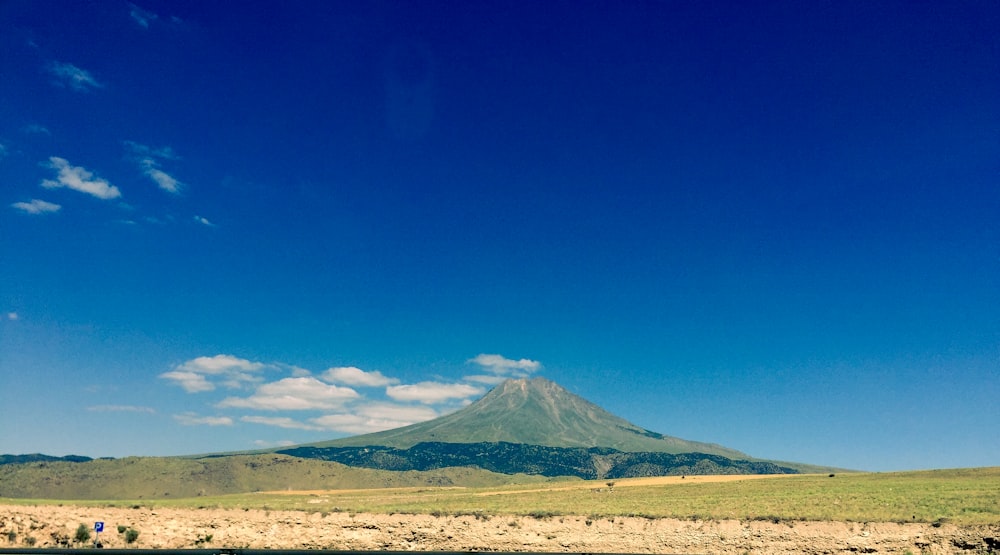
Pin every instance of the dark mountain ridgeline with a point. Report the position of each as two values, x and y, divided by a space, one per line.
38 457
518 458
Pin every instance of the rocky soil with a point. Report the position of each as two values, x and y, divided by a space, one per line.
54 526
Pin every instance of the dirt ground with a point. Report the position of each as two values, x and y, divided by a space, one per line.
216 528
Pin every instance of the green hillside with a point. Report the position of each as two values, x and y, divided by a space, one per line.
137 478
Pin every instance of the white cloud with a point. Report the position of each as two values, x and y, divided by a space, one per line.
37 207
356 423
203 221
230 371
121 408
355 376
79 179
347 423
303 393
68 75
298 372
221 364
12 316
503 366
3 150
149 161
280 422
192 419
432 392
405 414
140 16
192 382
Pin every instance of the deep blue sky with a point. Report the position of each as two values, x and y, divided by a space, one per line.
772 227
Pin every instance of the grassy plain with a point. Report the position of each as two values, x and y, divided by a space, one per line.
963 497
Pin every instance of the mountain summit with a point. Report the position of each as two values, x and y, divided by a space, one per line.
534 411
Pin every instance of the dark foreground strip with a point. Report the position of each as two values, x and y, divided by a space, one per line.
225 551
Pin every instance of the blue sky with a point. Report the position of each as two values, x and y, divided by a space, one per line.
772 227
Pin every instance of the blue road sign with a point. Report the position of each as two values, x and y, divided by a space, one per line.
98 527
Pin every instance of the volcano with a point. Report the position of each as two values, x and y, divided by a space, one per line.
534 426
534 411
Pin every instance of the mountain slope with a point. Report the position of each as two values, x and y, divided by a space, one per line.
534 412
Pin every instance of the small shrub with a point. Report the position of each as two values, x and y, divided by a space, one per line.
82 534
122 528
131 535
30 541
11 536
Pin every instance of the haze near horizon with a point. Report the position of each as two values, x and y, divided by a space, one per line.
775 228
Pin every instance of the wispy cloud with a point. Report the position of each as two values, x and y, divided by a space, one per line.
432 392
203 221
140 16
68 75
485 379
304 393
121 408
36 129
501 366
280 422
149 160
12 316
192 419
79 179
36 207
221 364
230 371
350 375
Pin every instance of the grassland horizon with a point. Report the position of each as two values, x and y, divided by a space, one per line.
958 496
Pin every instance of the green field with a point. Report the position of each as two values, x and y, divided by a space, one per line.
964 496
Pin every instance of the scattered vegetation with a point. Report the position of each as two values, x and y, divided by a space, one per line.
131 534
82 535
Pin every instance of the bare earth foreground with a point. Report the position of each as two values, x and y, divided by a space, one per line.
257 529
